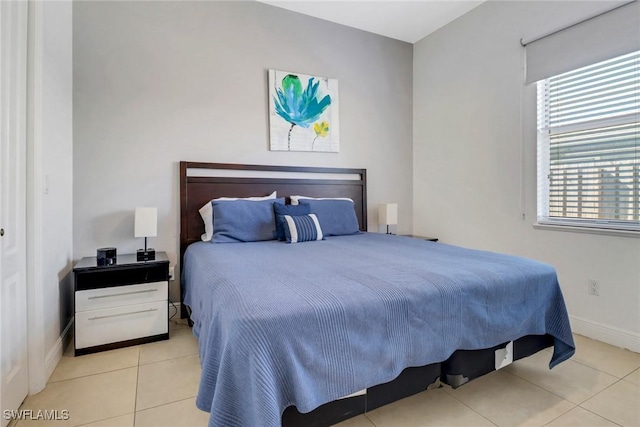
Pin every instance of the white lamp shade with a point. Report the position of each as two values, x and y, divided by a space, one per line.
388 214
146 224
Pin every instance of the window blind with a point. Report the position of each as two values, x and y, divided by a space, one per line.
603 37
589 145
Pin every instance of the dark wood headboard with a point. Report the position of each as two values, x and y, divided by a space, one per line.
196 191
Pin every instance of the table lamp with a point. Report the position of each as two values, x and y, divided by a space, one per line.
388 214
146 225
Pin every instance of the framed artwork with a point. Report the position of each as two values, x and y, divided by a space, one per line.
303 112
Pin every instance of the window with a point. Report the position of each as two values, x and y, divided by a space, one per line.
589 146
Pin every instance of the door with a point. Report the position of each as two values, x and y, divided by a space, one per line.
13 285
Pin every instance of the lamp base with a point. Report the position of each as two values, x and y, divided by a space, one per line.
146 255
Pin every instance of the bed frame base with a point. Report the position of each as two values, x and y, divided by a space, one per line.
409 382
463 366
466 365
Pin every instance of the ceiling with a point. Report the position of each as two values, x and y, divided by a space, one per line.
408 21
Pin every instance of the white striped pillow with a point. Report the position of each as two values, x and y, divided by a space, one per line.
303 228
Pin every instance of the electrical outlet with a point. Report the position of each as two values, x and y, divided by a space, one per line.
172 273
594 287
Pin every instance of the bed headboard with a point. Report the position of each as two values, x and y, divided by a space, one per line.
201 182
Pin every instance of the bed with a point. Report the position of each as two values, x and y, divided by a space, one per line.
317 332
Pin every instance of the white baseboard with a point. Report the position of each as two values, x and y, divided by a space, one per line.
605 333
55 354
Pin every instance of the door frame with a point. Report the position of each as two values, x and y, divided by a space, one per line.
38 375
43 357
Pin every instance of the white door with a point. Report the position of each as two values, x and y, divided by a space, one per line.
13 300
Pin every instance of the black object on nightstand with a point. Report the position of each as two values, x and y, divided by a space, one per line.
146 254
431 239
119 305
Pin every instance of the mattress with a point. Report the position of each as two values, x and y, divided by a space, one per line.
301 325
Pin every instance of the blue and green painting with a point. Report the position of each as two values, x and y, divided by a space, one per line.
303 112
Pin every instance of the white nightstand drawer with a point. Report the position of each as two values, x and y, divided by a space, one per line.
97 327
93 299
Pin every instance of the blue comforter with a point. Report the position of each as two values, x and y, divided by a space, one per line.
304 324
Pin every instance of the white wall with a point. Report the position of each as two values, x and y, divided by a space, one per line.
467 162
160 82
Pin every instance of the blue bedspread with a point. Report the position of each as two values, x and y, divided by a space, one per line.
304 324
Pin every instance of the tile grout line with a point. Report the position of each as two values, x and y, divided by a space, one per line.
90 375
79 377
584 363
629 374
602 391
551 392
83 377
135 395
601 371
563 398
564 413
576 405
168 403
74 358
166 360
467 406
104 419
155 363
601 416
616 348
369 419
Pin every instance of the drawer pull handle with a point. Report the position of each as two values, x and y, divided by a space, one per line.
123 314
123 293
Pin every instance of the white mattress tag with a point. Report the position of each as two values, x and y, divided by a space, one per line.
504 356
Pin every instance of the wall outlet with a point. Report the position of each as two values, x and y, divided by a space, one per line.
594 287
172 273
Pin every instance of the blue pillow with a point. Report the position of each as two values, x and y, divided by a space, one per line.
337 217
244 220
304 228
290 210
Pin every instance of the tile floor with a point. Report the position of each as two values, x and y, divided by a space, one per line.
155 385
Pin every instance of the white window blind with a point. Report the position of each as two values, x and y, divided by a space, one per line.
606 36
589 146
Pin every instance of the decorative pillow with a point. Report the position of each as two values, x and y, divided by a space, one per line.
206 212
303 228
337 217
295 200
244 220
290 210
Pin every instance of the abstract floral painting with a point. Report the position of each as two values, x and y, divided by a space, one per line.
303 112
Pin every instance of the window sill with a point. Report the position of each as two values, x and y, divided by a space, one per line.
588 230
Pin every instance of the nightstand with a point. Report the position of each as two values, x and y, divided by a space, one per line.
431 239
119 305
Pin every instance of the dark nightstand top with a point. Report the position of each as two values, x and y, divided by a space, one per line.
89 263
431 239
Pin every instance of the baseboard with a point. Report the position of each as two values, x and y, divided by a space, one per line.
55 354
605 333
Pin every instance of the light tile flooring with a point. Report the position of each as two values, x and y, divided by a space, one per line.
155 385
